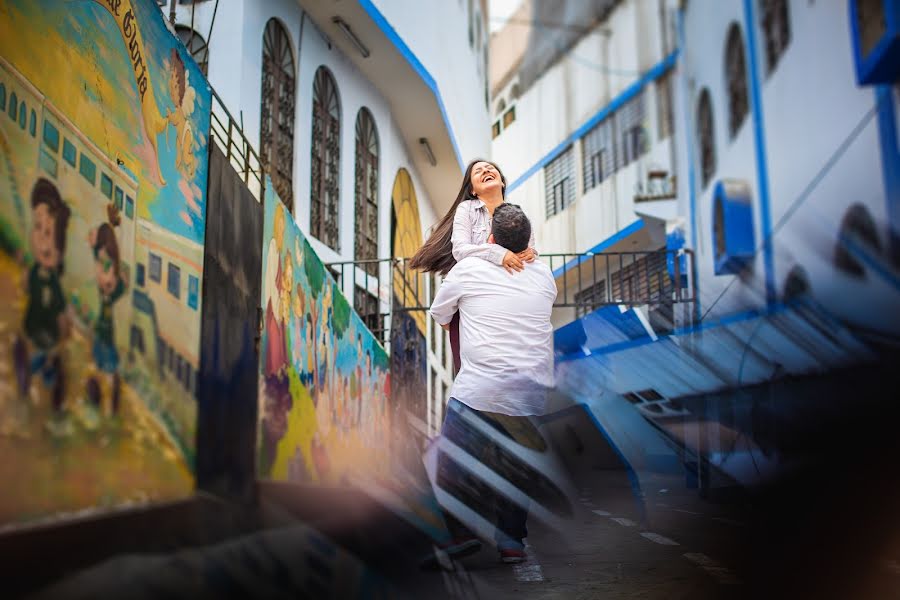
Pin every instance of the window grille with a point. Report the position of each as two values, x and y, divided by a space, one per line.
736 75
706 137
366 192
559 182
629 125
326 160
195 45
598 158
664 105
368 308
590 299
277 126
509 117
776 26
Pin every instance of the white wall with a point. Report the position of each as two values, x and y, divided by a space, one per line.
811 104
597 69
437 32
235 72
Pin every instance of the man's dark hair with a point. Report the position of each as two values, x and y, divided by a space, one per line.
511 228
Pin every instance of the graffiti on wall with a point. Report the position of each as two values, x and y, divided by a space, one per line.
103 170
324 388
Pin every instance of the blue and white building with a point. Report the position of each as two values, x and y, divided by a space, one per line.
779 174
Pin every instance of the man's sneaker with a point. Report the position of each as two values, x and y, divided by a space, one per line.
455 548
512 555
460 547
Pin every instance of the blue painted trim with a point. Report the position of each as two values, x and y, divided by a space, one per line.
737 222
890 158
610 241
692 176
391 33
654 73
762 168
882 64
740 317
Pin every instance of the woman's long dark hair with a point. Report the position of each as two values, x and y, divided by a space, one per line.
436 254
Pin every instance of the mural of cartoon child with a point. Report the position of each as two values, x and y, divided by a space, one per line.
183 94
277 396
46 323
326 372
275 349
358 389
111 286
299 311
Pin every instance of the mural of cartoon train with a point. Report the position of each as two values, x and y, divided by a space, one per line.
165 268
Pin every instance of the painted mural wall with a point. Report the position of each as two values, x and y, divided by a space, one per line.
103 171
324 388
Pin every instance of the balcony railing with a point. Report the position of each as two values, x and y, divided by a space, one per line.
585 282
229 135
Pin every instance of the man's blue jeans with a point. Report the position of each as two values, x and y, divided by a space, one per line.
509 518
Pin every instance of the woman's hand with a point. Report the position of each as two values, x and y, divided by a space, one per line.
511 262
526 255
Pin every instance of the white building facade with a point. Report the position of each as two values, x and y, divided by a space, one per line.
585 136
771 115
367 100
739 130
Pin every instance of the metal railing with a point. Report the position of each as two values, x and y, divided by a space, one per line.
395 288
630 278
585 282
229 135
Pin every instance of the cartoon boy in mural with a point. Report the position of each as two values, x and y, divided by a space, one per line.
111 286
183 95
46 323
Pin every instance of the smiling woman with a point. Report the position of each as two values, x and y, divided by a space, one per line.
464 231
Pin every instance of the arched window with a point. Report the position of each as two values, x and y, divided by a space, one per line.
736 76
326 160
706 137
858 233
478 39
514 92
196 45
776 26
366 193
471 28
276 147
23 114
796 284
32 124
501 106
2 96
13 106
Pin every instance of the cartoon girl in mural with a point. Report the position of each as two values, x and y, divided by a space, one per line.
276 395
275 348
111 286
299 311
326 372
183 95
46 323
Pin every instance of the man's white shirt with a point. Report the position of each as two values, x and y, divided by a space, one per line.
506 339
